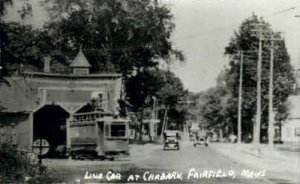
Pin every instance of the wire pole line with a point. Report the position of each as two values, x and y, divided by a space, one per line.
271 112
239 136
270 37
240 98
257 125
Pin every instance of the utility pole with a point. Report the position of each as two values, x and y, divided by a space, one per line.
271 113
239 136
258 110
256 136
1 53
271 116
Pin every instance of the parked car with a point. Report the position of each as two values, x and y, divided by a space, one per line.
171 140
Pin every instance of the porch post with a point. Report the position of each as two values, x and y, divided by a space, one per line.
68 138
30 130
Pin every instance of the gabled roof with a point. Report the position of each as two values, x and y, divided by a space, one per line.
80 61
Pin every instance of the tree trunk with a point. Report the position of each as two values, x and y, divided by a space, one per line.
164 122
141 127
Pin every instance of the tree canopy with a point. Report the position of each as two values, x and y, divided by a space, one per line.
163 85
116 35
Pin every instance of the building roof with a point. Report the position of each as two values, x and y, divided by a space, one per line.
22 93
80 61
18 96
65 75
294 106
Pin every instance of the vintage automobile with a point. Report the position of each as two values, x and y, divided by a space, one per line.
171 140
201 141
201 138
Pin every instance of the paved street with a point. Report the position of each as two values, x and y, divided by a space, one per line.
191 165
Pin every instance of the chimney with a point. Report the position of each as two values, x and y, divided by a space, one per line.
47 64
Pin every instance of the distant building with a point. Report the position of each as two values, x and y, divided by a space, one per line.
37 104
291 127
297 84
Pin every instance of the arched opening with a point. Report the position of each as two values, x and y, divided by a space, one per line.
49 122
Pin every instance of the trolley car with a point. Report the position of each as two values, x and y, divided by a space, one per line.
94 135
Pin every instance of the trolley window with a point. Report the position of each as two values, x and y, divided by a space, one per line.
118 130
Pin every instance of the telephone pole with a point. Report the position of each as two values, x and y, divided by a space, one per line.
271 116
259 63
256 136
271 113
239 134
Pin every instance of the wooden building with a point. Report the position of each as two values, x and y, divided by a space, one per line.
290 131
38 104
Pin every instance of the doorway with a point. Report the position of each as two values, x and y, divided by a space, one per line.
49 123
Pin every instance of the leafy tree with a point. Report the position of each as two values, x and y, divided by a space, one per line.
171 95
164 85
211 107
214 106
23 48
116 35
11 35
3 4
244 39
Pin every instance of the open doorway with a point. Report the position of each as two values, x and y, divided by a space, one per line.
49 123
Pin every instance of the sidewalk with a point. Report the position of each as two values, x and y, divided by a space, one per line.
275 162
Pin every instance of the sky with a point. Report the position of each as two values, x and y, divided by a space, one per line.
204 27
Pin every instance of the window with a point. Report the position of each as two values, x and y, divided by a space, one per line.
297 131
118 130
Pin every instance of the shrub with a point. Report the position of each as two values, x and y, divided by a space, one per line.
17 167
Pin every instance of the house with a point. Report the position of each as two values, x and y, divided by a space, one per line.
38 104
291 127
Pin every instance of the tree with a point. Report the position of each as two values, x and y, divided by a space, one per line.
116 35
3 4
171 95
211 107
244 40
13 35
164 85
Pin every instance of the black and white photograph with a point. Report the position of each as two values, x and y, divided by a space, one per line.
150 91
